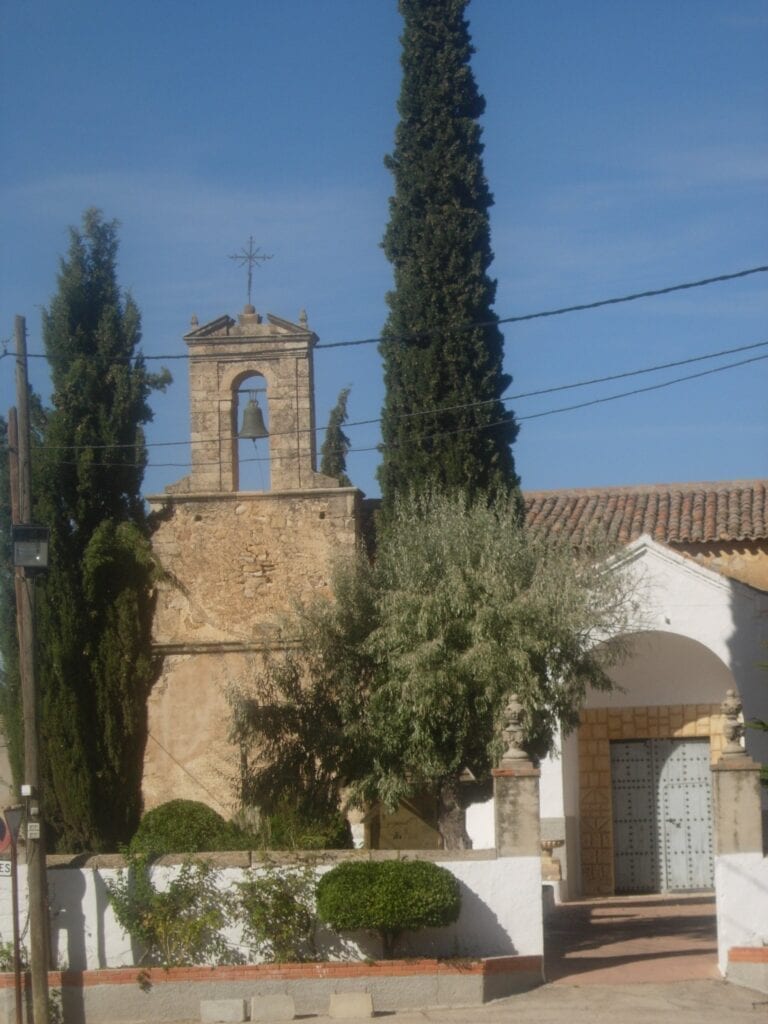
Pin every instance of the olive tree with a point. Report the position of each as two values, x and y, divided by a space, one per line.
399 684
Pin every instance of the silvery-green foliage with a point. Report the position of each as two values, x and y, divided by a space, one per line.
472 608
399 683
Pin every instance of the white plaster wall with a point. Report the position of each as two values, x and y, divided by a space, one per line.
728 618
551 796
501 913
741 889
501 910
569 768
664 668
480 824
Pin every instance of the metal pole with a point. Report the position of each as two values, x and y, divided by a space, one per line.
16 941
35 846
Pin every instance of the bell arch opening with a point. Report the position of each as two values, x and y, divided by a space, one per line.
251 450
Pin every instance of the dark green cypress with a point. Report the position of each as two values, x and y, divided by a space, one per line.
333 453
95 604
436 368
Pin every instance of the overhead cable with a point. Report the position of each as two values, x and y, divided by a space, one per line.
405 338
462 430
441 410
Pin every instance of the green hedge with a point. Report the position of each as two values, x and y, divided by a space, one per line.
286 828
186 826
389 897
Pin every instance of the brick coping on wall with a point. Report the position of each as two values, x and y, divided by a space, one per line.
483 966
748 955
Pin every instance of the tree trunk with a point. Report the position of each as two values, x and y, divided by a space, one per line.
451 822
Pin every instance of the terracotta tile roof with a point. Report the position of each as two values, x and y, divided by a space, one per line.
734 510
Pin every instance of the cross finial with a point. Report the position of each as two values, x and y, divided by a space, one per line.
250 257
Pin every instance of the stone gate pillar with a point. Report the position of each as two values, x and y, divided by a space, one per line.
738 825
516 794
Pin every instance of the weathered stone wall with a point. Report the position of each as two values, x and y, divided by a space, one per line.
236 562
234 565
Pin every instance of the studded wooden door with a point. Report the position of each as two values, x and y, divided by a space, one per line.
662 815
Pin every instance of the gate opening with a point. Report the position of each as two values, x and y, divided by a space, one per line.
662 815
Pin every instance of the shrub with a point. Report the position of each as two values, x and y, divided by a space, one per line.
186 826
178 926
277 907
6 957
288 828
388 898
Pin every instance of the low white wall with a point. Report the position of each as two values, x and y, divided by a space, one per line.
501 913
741 888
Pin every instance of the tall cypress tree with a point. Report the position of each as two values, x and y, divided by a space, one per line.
443 423
333 454
95 605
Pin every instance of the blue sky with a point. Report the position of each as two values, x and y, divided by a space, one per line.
626 146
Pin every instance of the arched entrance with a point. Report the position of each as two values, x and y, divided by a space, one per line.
644 755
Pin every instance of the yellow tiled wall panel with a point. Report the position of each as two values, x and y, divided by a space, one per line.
598 727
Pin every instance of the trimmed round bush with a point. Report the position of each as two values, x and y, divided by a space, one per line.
388 897
186 826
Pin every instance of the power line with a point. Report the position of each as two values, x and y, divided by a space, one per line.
640 391
561 310
580 405
567 387
520 318
462 430
440 410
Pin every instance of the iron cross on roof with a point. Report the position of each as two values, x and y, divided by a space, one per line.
250 257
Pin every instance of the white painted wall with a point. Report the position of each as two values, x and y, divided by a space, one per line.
727 618
741 888
501 913
480 824
551 794
665 668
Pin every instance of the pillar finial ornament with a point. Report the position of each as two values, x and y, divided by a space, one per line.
733 728
513 733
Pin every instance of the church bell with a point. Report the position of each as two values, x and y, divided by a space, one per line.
253 427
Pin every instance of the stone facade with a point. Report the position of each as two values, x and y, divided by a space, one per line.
234 562
273 357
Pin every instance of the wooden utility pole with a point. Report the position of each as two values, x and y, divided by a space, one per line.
21 512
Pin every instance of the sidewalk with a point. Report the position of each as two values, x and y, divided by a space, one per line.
618 960
690 1002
